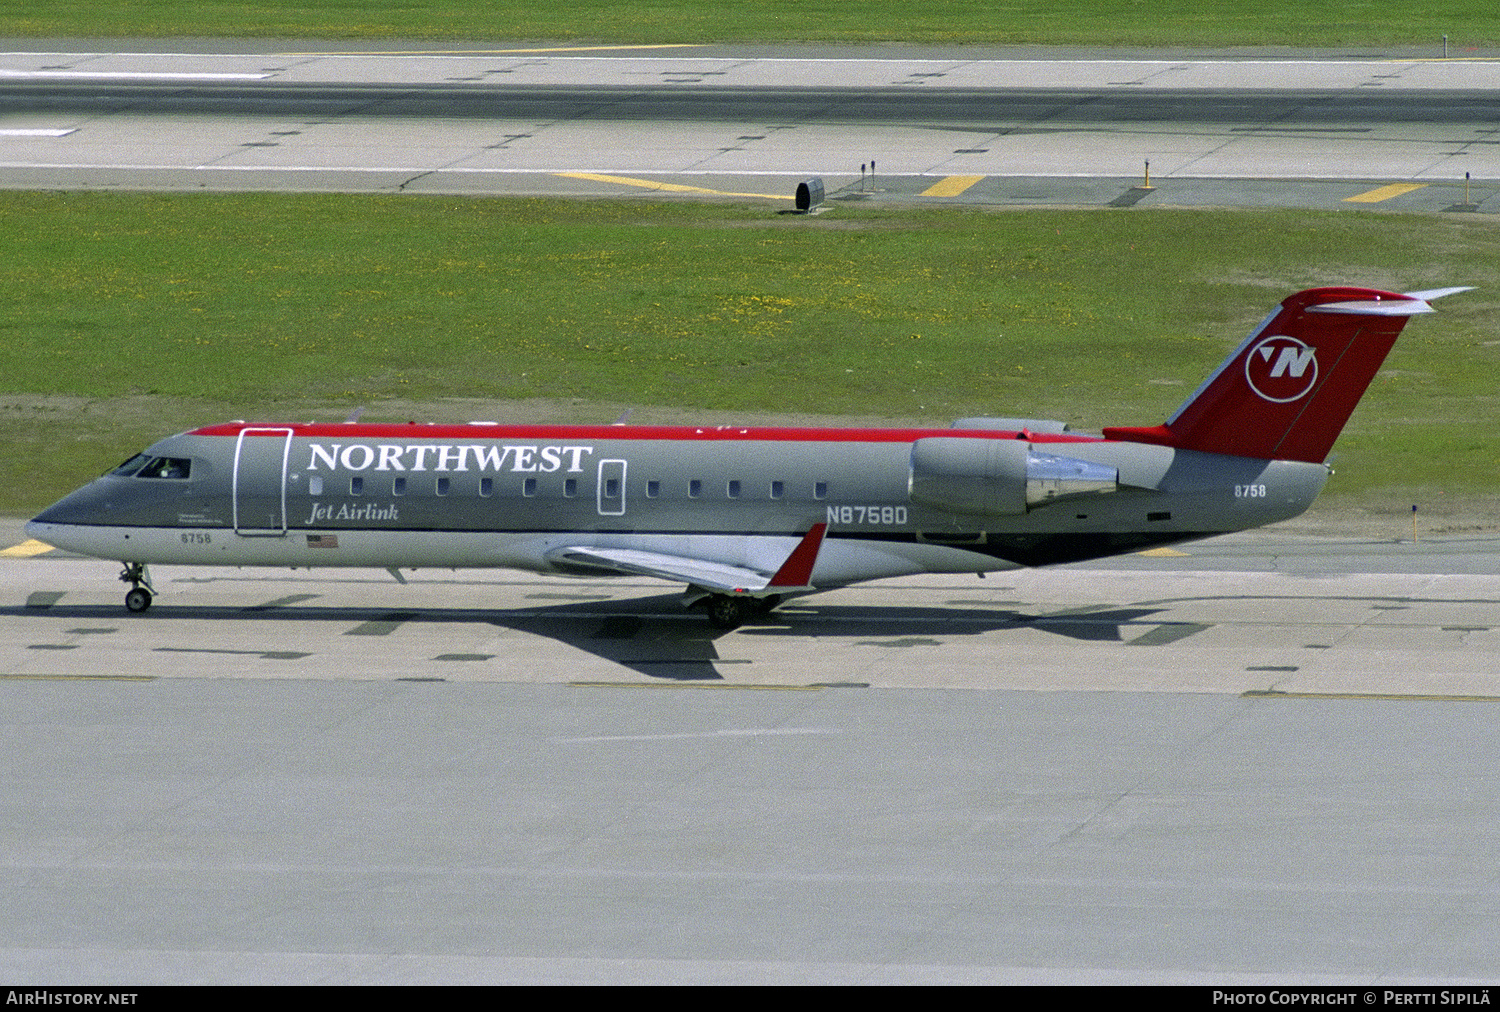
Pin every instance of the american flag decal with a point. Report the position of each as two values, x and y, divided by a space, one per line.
322 541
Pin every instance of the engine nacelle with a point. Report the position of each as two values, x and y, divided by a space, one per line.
999 477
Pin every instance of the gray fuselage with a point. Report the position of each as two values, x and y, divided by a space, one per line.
894 501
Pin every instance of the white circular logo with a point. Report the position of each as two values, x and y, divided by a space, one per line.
1281 369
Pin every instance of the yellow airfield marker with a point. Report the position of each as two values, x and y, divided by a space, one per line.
1378 194
952 186
652 184
1162 553
26 549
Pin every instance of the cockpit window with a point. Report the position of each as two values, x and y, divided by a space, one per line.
166 467
131 466
142 466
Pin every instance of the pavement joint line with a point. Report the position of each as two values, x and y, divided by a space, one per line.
78 678
693 685
1396 696
501 52
269 655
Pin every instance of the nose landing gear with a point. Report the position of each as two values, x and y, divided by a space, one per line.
138 598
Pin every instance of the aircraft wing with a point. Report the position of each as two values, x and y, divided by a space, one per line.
795 573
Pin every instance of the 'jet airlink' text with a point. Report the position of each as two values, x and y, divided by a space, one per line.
446 457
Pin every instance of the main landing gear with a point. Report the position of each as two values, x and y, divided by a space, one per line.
138 598
727 612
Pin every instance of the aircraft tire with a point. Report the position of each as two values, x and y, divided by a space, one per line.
725 612
137 600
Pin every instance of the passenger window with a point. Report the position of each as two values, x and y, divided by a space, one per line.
443 484
820 490
612 488
570 487
778 489
356 485
695 488
528 486
398 487
315 484
733 490
486 487
653 489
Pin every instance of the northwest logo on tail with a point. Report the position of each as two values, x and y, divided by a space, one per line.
1281 369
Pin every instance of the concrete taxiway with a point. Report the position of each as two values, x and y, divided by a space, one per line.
1287 615
1150 771
1329 131
1260 759
231 830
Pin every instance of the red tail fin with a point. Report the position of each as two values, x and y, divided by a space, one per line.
1286 393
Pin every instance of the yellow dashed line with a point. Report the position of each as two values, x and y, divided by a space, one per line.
26 549
652 184
952 186
1375 196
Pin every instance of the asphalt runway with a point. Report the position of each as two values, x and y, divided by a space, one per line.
1268 759
997 128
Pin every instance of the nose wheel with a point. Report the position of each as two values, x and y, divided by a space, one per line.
138 598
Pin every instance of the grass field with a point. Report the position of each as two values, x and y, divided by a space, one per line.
1089 22
127 316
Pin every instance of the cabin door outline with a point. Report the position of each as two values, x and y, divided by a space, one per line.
259 482
611 488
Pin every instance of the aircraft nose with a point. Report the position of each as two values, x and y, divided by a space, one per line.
76 507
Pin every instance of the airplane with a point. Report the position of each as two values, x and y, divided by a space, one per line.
747 517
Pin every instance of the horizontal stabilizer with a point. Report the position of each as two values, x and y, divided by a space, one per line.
1433 294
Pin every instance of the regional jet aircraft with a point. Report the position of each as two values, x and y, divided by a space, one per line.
746 517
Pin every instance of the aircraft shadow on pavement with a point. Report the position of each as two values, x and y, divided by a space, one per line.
653 636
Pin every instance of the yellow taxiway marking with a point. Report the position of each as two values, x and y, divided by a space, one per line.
501 52
1162 553
652 184
26 549
1380 193
1404 697
951 186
